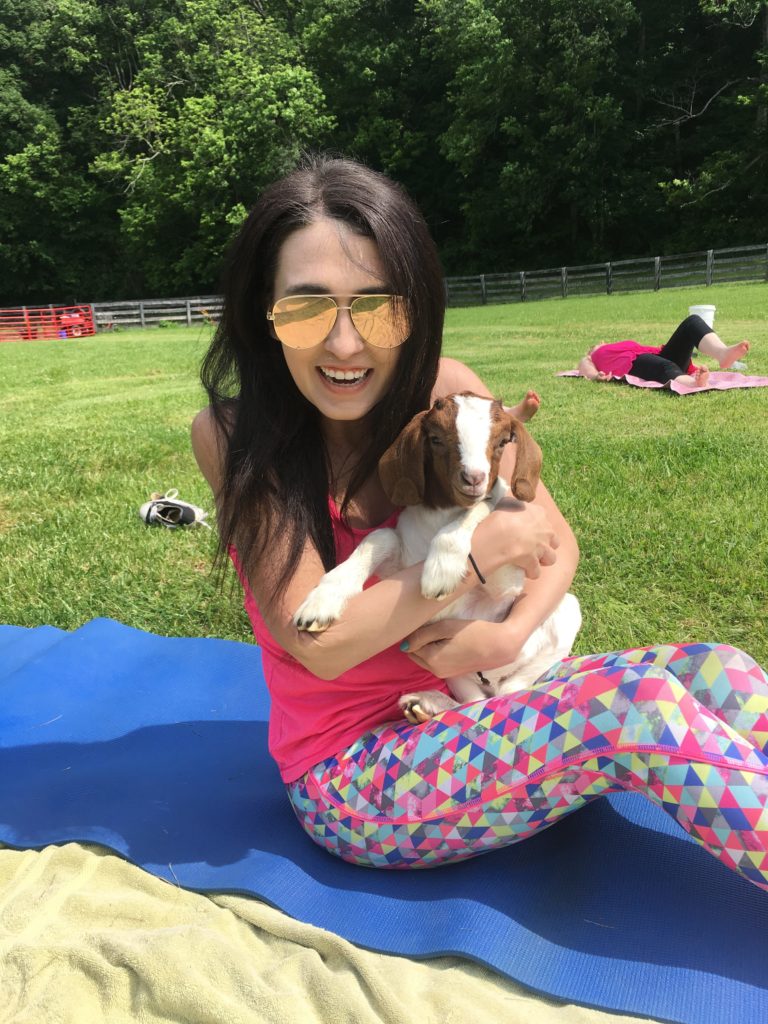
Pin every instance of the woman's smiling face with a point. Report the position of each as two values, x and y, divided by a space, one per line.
328 258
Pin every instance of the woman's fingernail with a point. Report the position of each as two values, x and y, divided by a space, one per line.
404 645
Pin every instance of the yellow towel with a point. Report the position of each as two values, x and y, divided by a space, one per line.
86 937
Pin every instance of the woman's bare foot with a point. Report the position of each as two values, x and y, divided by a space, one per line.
527 408
698 379
732 354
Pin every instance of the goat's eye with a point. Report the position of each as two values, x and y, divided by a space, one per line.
435 441
504 441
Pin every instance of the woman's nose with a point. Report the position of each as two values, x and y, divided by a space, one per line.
344 341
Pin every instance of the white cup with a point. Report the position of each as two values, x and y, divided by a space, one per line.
707 313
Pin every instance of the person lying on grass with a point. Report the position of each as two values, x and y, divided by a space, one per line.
664 363
328 344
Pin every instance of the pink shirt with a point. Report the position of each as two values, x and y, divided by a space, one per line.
618 356
312 718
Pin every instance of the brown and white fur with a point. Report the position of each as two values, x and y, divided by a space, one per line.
444 468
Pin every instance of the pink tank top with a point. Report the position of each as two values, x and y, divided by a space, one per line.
312 718
617 356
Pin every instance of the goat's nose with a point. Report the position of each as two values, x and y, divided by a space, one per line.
473 477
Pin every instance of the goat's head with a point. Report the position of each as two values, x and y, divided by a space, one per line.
450 454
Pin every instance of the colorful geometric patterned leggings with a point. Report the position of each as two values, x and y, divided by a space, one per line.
685 725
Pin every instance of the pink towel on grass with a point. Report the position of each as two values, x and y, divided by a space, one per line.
719 380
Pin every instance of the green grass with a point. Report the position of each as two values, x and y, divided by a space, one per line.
666 494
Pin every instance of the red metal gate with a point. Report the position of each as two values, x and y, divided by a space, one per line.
26 323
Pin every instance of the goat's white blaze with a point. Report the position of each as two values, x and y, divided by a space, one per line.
473 430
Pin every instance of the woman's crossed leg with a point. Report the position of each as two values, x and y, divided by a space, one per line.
489 774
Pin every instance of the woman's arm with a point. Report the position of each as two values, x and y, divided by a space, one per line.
588 369
209 447
383 614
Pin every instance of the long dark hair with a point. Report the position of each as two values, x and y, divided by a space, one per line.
276 477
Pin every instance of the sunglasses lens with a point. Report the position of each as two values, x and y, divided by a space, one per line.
302 321
380 320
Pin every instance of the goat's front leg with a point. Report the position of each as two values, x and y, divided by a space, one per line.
325 604
446 563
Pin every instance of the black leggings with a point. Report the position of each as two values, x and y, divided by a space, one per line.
675 357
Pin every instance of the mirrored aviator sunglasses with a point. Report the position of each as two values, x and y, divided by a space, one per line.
303 321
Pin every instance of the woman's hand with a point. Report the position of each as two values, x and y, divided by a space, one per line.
454 647
603 376
516 533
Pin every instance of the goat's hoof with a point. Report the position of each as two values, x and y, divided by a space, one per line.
421 707
441 576
436 589
310 626
415 714
318 612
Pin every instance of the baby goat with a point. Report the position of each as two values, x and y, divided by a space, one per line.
444 467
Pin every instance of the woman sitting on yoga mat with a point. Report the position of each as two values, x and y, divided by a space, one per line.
663 363
329 343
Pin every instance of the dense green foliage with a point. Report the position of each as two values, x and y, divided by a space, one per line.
665 494
134 134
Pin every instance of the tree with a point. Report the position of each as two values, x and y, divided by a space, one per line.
211 103
537 130
722 102
53 215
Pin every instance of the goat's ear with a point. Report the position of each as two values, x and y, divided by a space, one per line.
401 467
527 462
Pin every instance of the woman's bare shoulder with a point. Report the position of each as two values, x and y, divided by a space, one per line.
453 376
209 446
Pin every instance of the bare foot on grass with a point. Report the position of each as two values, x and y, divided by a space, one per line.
733 354
527 408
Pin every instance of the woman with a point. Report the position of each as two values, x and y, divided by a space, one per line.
663 363
329 343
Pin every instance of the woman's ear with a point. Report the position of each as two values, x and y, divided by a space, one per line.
527 462
401 467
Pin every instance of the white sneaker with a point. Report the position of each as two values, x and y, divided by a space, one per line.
167 510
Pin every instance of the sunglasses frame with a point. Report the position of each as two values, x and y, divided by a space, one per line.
371 295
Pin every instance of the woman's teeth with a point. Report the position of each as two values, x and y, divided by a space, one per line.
343 376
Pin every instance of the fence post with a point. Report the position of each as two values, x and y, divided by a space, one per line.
189 314
656 273
564 281
522 286
710 265
447 291
141 314
482 289
608 279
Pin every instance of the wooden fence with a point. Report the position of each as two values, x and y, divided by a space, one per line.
710 266
157 312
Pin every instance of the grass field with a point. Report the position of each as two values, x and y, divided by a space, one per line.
667 495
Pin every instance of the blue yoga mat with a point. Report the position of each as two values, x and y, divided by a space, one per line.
157 749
